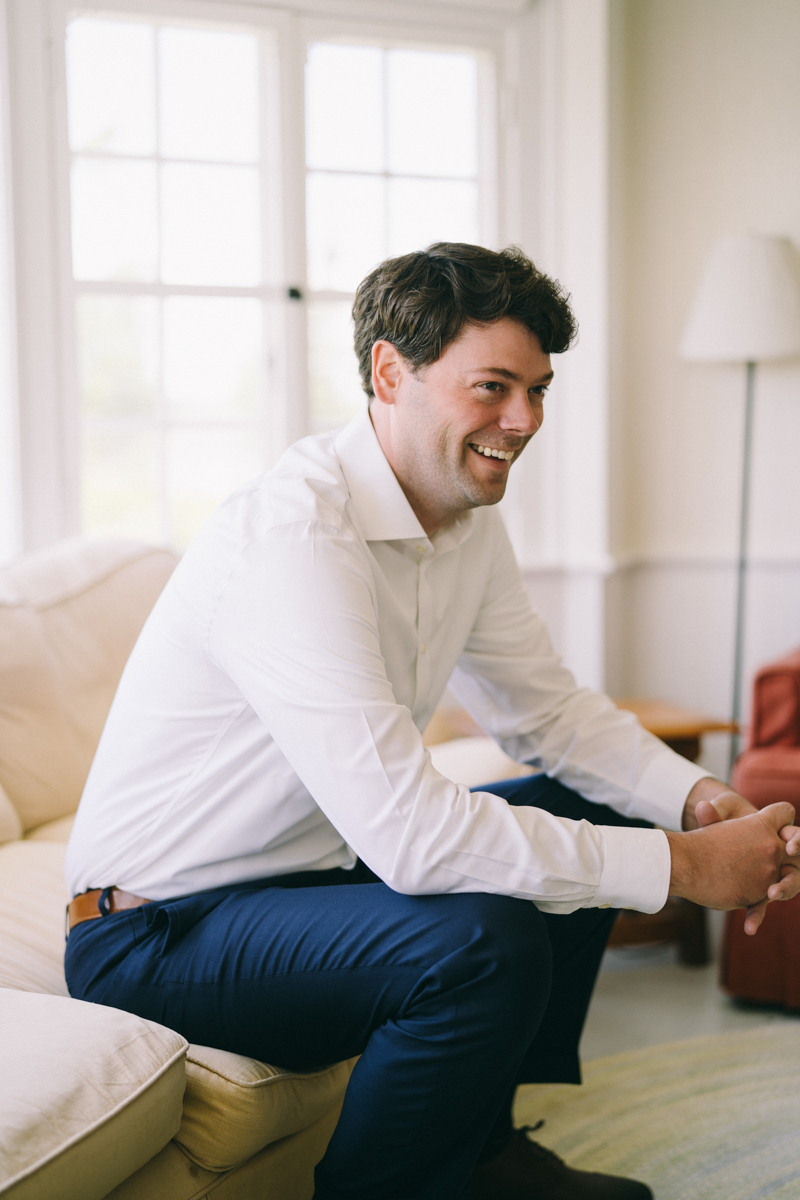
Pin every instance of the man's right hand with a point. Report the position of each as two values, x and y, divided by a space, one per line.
736 864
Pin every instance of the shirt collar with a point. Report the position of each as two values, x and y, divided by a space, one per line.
381 507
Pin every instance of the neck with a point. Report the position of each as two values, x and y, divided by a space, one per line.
431 519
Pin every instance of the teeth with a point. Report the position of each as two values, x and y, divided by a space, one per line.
489 452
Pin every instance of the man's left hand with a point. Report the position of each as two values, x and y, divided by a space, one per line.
711 801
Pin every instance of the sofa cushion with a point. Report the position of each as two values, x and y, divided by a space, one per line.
69 616
89 1095
52 831
234 1106
475 760
283 1170
10 824
32 901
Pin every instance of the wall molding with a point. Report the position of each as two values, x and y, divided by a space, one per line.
494 12
657 560
600 566
10 473
667 560
551 573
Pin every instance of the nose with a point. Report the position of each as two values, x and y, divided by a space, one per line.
522 413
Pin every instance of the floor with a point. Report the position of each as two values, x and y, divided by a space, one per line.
645 997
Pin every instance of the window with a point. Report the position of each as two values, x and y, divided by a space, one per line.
168 269
216 222
392 164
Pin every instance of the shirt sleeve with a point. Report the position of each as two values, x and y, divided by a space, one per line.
512 682
295 627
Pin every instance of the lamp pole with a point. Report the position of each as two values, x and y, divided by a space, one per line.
744 521
746 310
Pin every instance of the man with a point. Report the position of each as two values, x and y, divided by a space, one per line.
264 750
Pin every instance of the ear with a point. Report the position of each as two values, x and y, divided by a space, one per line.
388 369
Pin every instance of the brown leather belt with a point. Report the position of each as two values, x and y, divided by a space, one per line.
87 906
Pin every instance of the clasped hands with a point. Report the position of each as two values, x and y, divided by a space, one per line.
733 855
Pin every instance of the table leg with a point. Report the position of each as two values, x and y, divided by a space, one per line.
693 937
679 921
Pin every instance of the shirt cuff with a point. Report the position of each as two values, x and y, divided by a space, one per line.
663 787
636 869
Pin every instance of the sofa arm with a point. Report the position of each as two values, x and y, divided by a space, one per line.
776 704
768 774
89 1094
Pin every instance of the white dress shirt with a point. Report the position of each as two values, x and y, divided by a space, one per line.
269 719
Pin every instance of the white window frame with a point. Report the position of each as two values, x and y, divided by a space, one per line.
46 342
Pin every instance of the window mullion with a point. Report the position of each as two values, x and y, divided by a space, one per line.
161 425
296 408
64 346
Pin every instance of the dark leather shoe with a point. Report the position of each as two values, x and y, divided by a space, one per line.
527 1171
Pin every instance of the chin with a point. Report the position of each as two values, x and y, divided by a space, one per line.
481 497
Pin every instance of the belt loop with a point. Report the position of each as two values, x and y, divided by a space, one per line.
103 902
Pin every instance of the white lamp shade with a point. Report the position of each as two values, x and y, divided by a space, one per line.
747 307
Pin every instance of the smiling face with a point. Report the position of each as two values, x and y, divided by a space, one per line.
452 430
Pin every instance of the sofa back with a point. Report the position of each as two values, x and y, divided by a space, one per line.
69 616
776 704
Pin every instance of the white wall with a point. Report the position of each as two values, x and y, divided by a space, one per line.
707 142
557 508
10 498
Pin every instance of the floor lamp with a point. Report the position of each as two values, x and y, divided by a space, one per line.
746 310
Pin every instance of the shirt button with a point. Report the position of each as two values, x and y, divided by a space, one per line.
424 647
604 906
420 549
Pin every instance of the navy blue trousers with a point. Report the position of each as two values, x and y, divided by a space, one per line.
451 1000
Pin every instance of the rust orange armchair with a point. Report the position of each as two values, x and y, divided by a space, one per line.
766 968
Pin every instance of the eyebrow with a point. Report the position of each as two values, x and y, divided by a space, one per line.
504 373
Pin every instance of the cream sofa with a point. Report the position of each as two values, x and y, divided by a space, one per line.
96 1102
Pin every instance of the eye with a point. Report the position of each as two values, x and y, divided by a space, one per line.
540 390
491 385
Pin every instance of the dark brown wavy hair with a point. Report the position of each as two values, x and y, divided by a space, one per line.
420 302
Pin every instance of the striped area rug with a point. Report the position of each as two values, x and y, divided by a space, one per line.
711 1118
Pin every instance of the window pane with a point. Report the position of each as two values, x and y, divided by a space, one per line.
210 225
334 382
345 216
111 86
344 107
432 113
208 95
205 466
117 354
212 356
119 483
422 211
114 223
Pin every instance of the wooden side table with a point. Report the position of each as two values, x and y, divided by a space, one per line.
681 728
678 921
